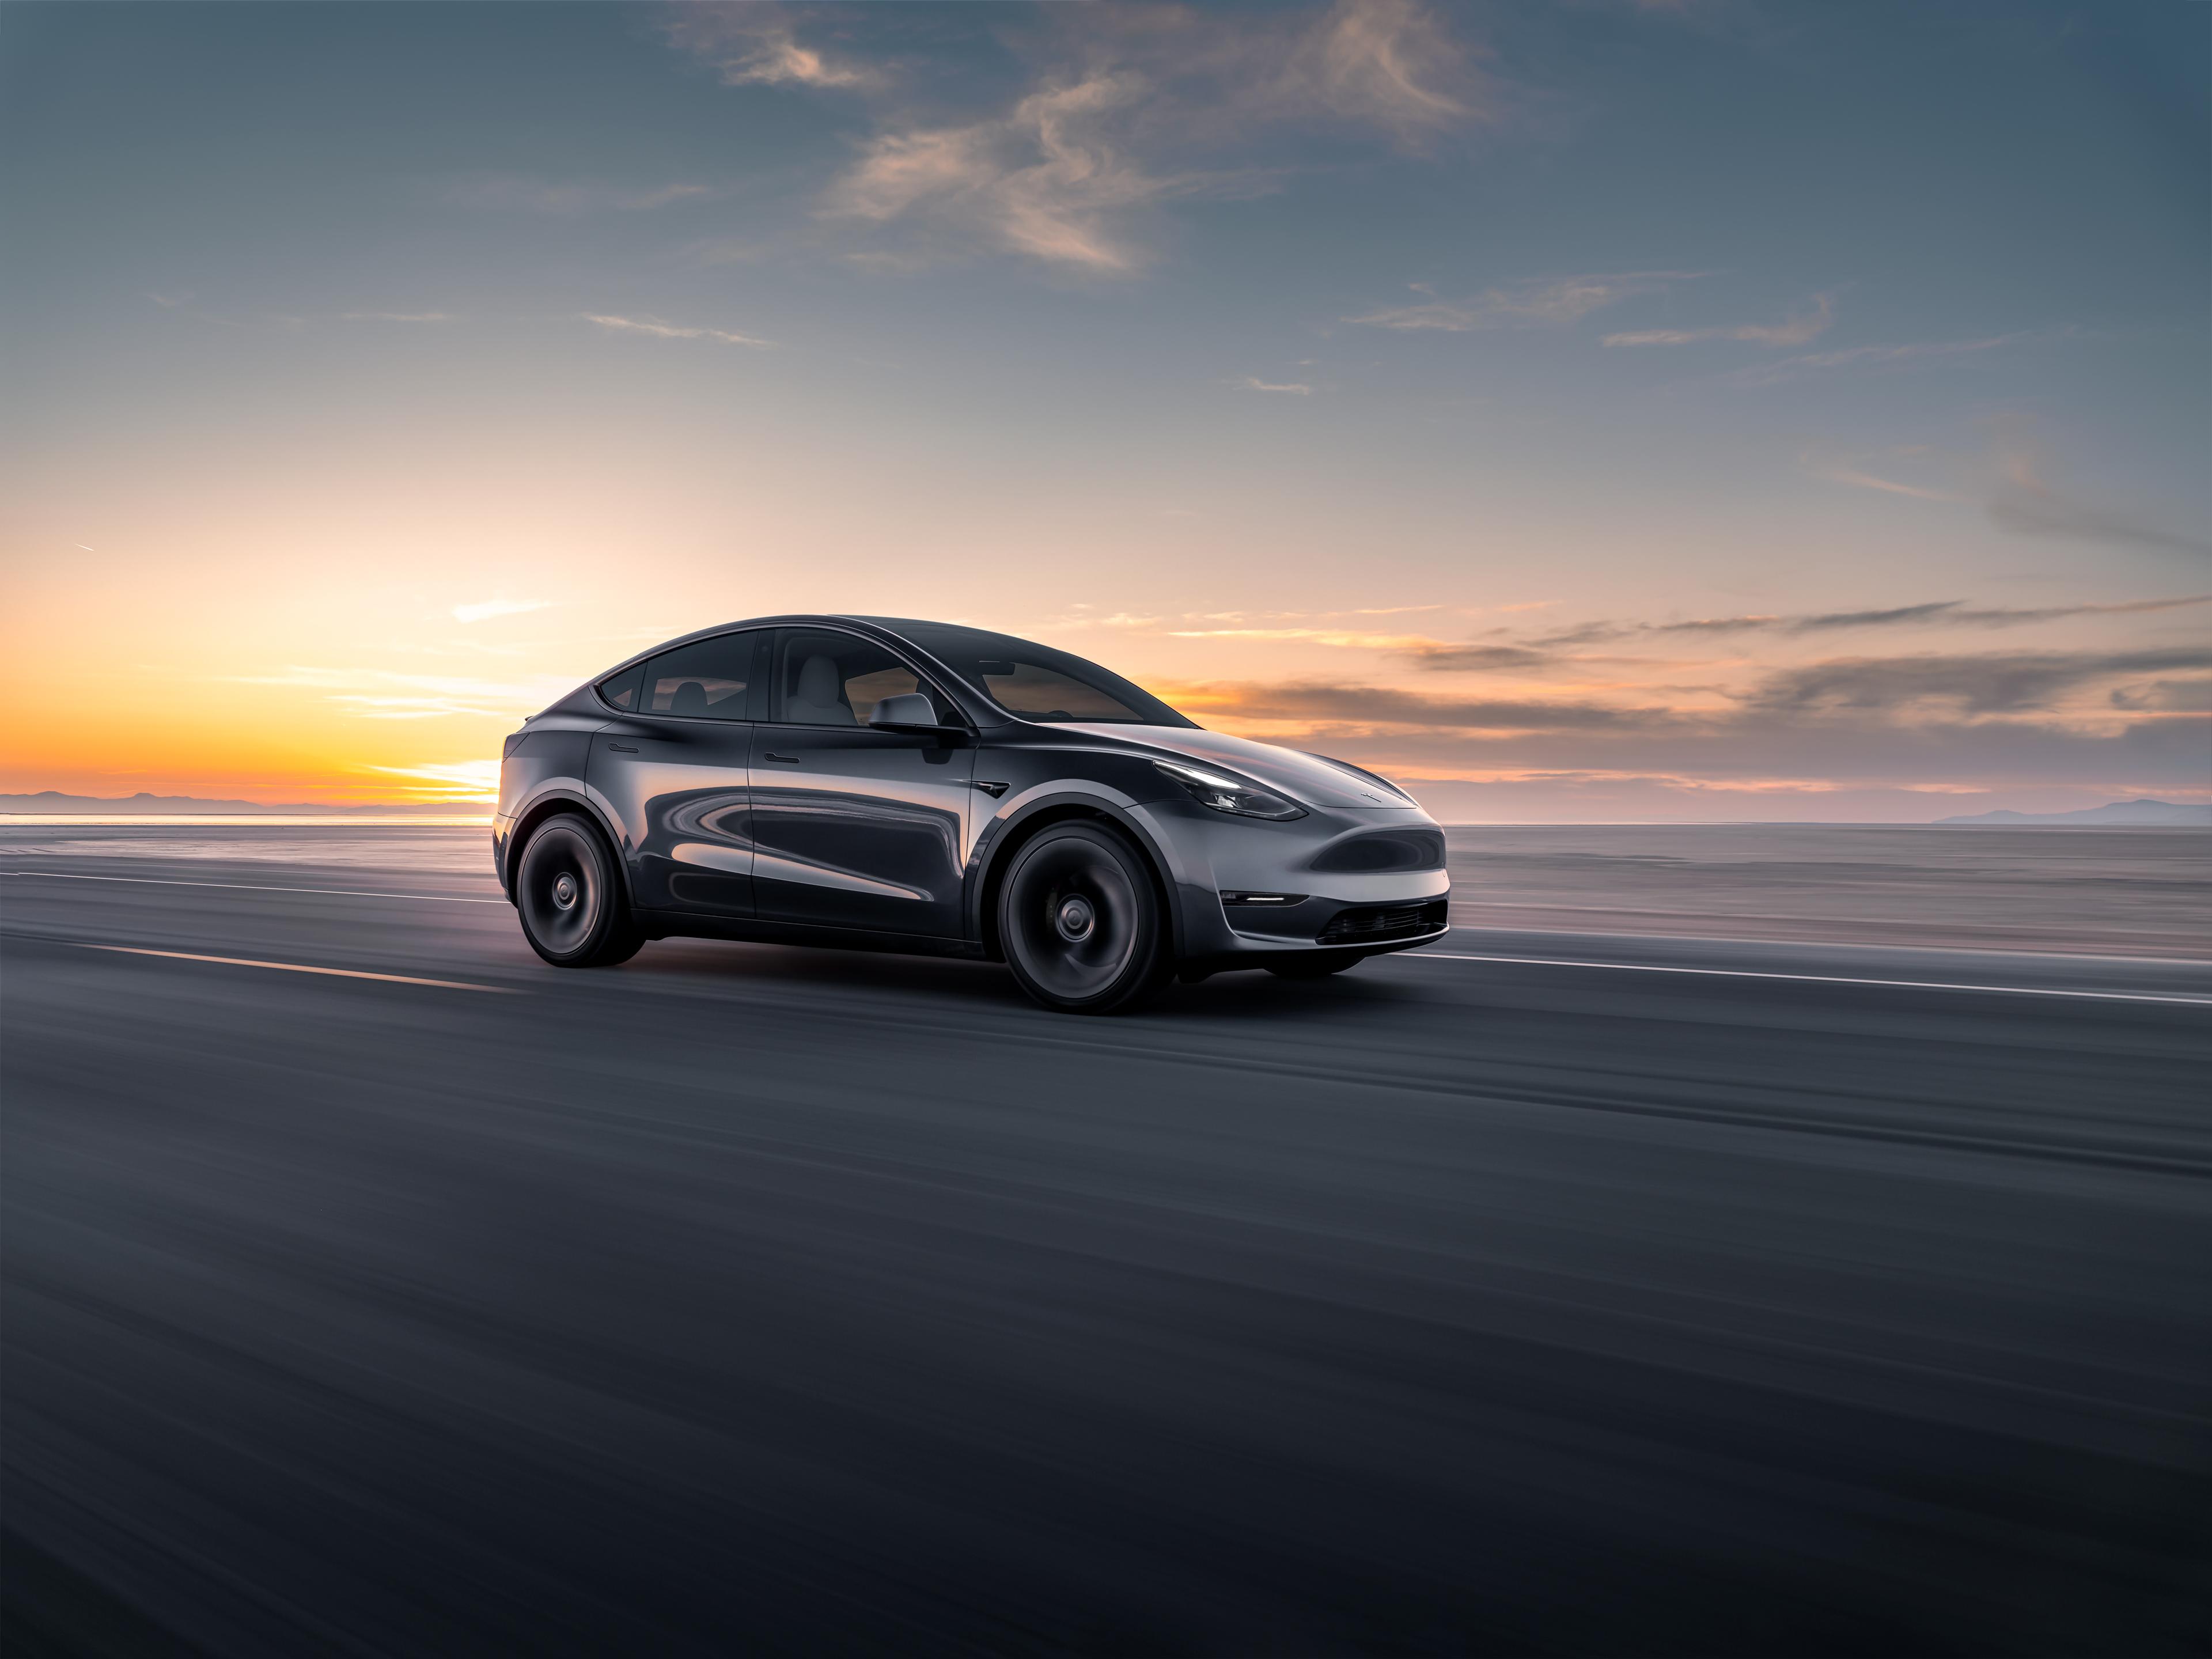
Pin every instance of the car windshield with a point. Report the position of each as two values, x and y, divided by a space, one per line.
1035 682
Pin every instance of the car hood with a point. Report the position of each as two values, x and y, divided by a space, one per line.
1303 777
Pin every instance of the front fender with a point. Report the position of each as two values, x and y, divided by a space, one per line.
1071 797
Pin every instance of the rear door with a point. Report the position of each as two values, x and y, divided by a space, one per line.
855 827
673 769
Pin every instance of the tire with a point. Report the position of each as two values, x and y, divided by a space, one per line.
570 899
1081 921
1313 967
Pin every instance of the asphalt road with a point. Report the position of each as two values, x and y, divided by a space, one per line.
748 1298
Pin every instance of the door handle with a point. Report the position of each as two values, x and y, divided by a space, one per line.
788 760
621 748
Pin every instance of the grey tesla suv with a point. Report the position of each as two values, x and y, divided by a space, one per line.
918 787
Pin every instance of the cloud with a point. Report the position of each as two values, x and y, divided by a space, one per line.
660 330
2166 696
382 694
1390 62
1870 357
1852 476
1336 704
1807 326
2023 503
1846 472
1929 746
483 609
1555 301
1348 638
756 45
476 780
509 194
1047 181
1993 683
1544 649
395 317
1253 383
1125 99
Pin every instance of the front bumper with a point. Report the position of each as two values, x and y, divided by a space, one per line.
1220 861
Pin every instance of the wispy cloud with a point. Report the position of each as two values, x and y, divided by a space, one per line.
1808 324
1388 62
1846 470
660 330
483 609
385 694
1124 102
507 193
1372 705
1553 301
1351 638
755 44
1933 725
2024 503
1991 683
1254 383
458 780
1049 181
1852 476
1546 648
1870 356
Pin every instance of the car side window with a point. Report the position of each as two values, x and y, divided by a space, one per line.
620 691
828 678
707 679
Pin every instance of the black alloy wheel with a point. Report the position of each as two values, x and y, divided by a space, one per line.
1081 922
1313 967
572 907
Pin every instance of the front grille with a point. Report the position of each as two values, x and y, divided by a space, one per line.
1386 849
1368 923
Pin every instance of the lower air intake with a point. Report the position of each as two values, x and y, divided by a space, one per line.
1366 924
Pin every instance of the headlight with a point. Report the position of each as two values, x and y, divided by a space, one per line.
1226 794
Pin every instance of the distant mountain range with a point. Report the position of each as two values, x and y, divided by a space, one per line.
52 800
2164 813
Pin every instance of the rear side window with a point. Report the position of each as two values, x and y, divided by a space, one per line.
620 691
708 679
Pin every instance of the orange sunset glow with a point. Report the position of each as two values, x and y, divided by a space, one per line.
1596 512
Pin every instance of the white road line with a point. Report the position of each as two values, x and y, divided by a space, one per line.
297 968
1816 979
242 887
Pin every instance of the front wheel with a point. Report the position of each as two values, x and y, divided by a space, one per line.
1081 922
569 899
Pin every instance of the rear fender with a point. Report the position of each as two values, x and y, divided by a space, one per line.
565 794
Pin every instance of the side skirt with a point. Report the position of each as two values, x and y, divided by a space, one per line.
684 924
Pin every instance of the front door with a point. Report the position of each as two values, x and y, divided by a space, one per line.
854 827
673 771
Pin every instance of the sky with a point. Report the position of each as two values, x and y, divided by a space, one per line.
1579 411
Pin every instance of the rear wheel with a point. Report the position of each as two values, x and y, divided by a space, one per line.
571 904
1312 967
1081 922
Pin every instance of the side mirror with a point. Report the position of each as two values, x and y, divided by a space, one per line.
905 712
